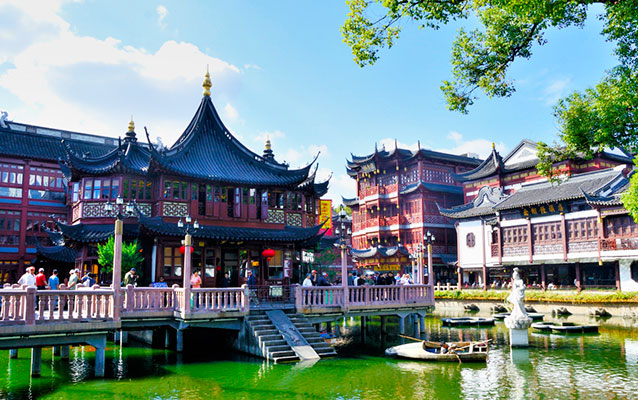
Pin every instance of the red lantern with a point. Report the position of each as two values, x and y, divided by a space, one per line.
182 250
268 253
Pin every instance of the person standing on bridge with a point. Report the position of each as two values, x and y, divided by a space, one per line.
73 279
28 279
54 281
130 278
41 280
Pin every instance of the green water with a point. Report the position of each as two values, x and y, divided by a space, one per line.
603 366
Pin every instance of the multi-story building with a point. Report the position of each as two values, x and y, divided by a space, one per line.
245 203
396 205
33 190
569 233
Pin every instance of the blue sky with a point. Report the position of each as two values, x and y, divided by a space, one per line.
279 70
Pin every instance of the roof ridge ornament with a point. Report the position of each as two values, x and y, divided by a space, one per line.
130 134
207 83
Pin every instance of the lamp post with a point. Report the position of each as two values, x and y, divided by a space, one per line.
122 212
429 239
344 256
188 246
418 276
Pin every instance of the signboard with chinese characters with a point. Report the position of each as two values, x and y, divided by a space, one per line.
543 209
325 214
368 167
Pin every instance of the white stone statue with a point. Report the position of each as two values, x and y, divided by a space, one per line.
518 319
3 119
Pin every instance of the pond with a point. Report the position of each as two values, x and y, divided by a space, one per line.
589 366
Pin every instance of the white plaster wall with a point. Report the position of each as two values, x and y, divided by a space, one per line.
626 283
470 256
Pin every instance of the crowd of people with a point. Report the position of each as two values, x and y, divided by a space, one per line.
74 280
354 279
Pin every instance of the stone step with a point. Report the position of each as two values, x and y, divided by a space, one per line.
262 332
324 352
314 340
286 359
279 347
262 325
261 317
268 343
305 330
281 353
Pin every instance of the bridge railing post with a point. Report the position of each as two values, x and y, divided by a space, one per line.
245 298
29 312
401 294
130 298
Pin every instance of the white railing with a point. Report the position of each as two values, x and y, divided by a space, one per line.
381 296
30 306
218 300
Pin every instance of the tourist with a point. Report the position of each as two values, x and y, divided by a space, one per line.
54 281
160 283
323 280
390 279
251 280
196 280
406 280
87 280
308 281
73 279
41 280
355 279
28 279
130 278
314 277
225 280
350 279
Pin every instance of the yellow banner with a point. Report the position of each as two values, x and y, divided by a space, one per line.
325 214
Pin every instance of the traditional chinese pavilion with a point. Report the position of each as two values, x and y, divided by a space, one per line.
396 205
244 203
572 233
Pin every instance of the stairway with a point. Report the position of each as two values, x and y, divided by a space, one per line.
311 335
282 337
269 340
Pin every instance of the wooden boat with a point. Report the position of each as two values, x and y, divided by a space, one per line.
467 321
533 316
431 351
564 327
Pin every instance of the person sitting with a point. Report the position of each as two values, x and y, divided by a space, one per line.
444 348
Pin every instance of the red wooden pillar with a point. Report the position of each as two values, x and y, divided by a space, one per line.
617 273
578 283
563 230
483 243
460 279
530 244
543 285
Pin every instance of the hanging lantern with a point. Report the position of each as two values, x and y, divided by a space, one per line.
182 250
268 253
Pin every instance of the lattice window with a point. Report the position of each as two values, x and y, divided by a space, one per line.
582 229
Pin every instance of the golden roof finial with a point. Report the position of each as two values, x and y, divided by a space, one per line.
493 147
268 147
207 83
131 125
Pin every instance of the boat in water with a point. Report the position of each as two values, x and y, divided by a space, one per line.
533 316
564 327
433 351
467 321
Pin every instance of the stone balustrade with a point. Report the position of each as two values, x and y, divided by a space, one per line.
309 299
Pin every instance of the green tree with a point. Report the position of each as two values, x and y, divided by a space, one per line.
603 116
131 256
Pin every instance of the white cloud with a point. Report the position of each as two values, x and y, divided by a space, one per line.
555 90
300 156
162 12
252 66
265 135
68 81
482 147
340 185
230 112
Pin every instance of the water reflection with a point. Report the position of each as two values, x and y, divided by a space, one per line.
555 366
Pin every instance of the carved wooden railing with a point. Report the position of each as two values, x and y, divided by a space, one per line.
618 244
363 297
144 300
494 251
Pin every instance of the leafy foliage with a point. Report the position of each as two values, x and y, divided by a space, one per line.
131 256
602 116
562 296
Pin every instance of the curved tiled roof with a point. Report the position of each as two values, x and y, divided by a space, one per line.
157 225
350 202
406 155
206 150
132 158
489 167
94 233
381 251
56 253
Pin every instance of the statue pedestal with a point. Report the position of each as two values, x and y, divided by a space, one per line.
519 338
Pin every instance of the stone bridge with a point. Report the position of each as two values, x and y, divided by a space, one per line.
31 318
